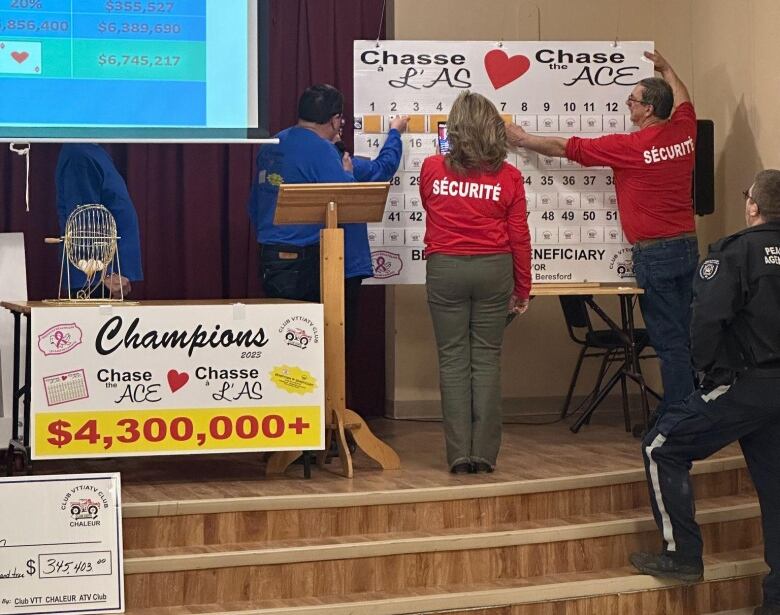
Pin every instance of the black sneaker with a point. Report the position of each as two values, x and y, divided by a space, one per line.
664 566
464 467
767 610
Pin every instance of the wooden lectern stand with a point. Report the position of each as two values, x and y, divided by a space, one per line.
330 204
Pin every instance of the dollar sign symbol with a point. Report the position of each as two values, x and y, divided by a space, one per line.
59 429
30 567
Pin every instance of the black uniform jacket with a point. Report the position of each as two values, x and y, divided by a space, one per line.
736 304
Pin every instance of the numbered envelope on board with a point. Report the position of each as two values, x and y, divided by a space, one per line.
547 200
569 164
614 123
526 159
526 122
591 123
569 234
593 234
415 237
394 237
549 162
569 200
413 162
396 202
413 203
547 235
592 200
570 123
416 124
548 123
372 124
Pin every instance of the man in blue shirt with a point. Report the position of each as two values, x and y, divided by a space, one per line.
289 254
86 175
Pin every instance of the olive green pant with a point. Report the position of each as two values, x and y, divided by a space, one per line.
468 297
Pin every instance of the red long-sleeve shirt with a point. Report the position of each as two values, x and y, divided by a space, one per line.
653 168
478 213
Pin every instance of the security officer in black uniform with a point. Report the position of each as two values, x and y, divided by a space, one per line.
735 343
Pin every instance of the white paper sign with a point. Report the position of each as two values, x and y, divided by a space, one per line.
152 380
552 88
61 544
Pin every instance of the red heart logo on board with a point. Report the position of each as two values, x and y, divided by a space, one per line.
20 56
503 69
177 380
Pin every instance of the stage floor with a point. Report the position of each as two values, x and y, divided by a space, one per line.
529 454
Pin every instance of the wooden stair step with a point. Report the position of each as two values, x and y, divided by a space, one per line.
405 565
568 593
709 511
250 496
238 520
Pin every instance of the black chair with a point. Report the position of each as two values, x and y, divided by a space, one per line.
605 343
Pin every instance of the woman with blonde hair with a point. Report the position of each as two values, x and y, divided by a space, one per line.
478 251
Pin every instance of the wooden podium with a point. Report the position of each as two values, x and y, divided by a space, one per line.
330 204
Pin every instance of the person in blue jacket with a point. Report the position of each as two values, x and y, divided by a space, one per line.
289 254
357 254
86 174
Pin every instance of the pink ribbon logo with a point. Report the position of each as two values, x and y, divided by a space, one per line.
60 339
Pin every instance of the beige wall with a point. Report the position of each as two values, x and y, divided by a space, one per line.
723 49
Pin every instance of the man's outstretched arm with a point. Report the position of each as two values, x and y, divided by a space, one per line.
679 91
548 146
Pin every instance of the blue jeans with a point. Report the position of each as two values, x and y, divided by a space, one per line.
295 277
665 271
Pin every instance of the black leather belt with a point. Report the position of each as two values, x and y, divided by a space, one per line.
646 243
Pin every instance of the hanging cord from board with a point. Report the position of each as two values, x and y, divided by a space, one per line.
617 23
381 22
23 149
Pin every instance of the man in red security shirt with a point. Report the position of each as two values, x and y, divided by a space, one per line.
652 168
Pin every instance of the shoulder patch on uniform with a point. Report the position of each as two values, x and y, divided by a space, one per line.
709 269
